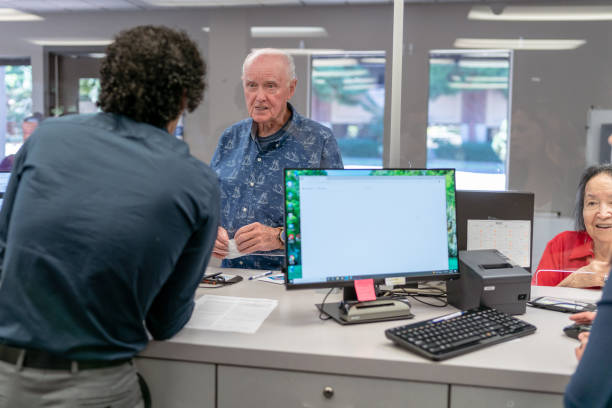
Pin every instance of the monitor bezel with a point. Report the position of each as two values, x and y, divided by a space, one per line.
377 280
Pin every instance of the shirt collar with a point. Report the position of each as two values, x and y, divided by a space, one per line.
584 249
280 134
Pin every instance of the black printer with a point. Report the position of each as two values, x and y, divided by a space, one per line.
488 278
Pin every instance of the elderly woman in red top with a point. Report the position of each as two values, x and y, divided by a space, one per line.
581 258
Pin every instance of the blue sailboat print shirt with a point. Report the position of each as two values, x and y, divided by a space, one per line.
250 173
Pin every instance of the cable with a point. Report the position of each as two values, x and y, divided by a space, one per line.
325 316
423 292
443 303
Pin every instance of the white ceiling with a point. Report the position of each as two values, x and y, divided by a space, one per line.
51 6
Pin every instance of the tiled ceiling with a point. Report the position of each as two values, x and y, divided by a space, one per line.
50 6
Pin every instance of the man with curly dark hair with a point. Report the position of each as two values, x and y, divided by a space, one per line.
107 227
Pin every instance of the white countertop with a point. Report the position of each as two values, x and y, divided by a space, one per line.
294 338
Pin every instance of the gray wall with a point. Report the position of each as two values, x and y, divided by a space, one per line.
551 95
552 92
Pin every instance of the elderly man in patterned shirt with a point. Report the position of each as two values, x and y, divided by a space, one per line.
251 156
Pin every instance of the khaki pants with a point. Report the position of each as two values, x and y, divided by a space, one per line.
111 387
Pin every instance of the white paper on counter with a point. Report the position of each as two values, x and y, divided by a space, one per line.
227 313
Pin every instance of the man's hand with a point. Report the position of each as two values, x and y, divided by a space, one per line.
583 317
257 237
221 248
584 338
594 275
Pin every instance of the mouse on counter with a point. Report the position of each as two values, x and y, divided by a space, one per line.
573 330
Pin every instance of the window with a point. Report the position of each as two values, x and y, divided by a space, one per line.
348 96
15 103
89 89
468 116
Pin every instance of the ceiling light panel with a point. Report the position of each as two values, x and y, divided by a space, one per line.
321 2
308 51
279 2
69 42
114 4
9 14
368 1
287 32
54 5
519 43
71 5
184 3
543 13
219 3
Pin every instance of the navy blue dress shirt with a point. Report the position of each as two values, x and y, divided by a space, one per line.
105 232
591 384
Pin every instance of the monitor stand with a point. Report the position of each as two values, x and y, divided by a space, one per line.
351 311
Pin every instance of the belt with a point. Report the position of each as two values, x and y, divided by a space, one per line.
47 361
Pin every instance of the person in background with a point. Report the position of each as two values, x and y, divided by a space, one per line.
581 258
591 384
28 126
252 155
106 230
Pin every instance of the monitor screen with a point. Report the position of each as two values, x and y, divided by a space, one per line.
350 224
4 179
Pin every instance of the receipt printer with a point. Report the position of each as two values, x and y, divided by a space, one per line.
488 278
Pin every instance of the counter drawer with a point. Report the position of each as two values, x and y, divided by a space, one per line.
178 384
478 397
254 387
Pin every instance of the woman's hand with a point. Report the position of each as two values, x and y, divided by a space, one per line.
583 317
591 275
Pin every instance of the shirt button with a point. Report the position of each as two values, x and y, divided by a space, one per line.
259 159
277 145
243 209
251 184
241 262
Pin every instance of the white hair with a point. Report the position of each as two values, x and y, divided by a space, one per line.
274 52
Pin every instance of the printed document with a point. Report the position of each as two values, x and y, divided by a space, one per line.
227 313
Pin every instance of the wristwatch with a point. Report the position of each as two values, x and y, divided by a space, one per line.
281 235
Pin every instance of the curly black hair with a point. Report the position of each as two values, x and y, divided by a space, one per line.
587 175
147 72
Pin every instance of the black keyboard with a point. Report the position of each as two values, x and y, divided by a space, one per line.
459 333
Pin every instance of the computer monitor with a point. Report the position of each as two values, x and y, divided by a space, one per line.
508 206
4 179
347 225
